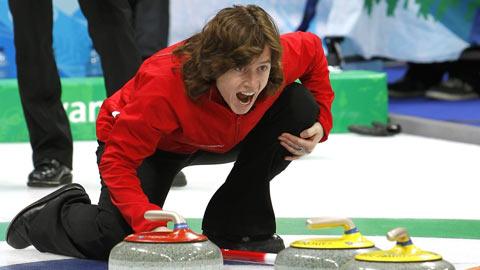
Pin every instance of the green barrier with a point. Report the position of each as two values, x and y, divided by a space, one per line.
360 98
81 97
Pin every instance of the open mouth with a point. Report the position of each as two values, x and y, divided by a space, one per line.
245 97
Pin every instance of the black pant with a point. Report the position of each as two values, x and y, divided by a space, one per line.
39 82
124 33
113 25
151 21
241 206
465 68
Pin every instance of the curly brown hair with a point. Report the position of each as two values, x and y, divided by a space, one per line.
233 38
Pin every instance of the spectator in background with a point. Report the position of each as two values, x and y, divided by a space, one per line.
463 75
463 82
124 33
40 92
112 28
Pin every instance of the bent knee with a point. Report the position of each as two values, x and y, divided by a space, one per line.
301 105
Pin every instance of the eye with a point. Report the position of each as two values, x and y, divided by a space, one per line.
239 69
263 68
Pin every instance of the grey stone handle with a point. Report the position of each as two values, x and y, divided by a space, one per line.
162 215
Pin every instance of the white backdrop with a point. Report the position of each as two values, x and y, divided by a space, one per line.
404 35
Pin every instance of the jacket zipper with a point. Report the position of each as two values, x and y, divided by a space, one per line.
237 128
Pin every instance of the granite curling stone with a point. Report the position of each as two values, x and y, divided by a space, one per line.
180 248
404 256
324 253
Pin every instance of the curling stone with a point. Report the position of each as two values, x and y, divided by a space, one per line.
324 253
180 248
405 255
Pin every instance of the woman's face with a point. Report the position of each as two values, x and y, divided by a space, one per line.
241 86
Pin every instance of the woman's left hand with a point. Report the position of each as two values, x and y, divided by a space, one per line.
303 145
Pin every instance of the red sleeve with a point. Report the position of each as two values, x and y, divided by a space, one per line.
134 137
304 59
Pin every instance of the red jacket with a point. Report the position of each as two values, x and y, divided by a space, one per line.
152 111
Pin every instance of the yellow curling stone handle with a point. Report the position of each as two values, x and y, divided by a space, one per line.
350 239
403 251
330 222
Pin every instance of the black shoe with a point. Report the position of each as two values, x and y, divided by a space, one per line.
180 180
452 90
263 243
49 173
17 231
407 88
